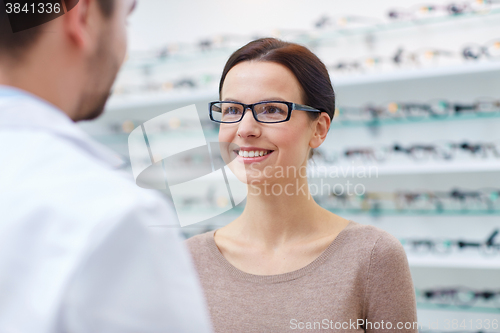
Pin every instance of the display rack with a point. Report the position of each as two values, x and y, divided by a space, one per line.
196 52
458 82
454 261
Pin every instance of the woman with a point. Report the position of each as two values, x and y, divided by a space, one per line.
286 263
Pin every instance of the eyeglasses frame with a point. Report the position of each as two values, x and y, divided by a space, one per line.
291 107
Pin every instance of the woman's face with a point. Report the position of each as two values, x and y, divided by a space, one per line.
288 142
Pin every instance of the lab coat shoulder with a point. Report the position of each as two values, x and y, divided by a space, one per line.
136 273
130 272
69 181
80 240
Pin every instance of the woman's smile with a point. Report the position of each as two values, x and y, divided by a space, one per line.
250 156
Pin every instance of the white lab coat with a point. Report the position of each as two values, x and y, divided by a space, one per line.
78 252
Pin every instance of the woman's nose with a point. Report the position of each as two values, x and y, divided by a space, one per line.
248 125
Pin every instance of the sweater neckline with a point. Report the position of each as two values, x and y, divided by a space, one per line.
276 278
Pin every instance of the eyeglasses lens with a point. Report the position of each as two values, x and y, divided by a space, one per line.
266 112
271 112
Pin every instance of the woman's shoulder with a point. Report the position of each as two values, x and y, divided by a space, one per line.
375 251
372 238
199 243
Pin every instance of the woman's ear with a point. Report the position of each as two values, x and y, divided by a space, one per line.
320 130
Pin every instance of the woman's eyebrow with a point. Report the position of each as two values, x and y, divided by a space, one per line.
262 100
274 99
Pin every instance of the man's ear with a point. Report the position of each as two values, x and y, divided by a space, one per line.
78 24
321 127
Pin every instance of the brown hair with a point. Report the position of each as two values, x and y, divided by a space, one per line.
16 44
306 66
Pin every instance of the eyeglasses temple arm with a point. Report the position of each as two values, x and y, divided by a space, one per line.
304 108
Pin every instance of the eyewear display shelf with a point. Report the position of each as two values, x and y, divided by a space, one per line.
458 83
221 47
441 80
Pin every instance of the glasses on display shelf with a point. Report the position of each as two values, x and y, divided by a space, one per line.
367 113
423 11
488 247
174 123
482 199
483 150
345 21
151 87
223 41
366 64
490 49
414 111
420 152
486 199
366 154
216 42
422 56
229 112
368 201
459 296
306 36
434 109
345 66
446 246
418 201
189 83
447 151
417 152
394 111
325 156
457 201
481 106
417 246
400 58
126 126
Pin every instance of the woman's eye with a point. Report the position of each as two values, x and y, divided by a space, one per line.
231 111
273 109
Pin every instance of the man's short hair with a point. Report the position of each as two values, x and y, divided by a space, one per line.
14 45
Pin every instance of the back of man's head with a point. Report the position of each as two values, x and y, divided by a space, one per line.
15 44
70 61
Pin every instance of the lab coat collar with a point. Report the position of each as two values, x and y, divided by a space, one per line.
23 110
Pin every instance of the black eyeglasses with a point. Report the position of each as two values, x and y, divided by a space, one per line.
263 112
460 296
445 246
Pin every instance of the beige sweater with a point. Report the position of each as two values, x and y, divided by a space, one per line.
362 277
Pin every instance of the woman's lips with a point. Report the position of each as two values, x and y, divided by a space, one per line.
248 160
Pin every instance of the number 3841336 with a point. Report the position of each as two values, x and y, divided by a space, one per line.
38 8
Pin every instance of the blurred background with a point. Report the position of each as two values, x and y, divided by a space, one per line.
418 96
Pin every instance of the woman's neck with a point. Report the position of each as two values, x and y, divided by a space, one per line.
282 213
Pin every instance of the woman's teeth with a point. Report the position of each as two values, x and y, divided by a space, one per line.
253 153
